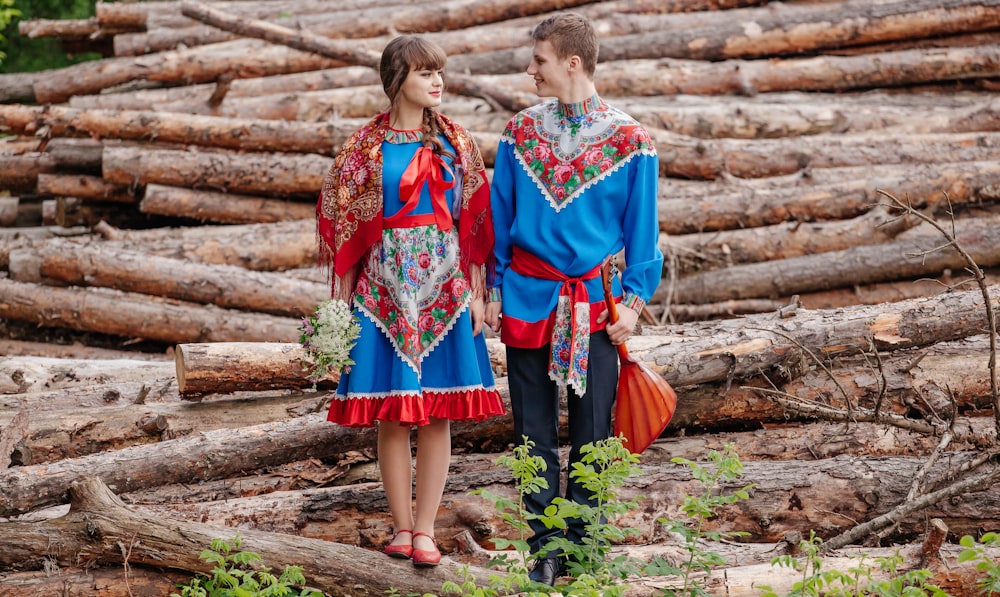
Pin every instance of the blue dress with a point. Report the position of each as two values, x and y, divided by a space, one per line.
416 357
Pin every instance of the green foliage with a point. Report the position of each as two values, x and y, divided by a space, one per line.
240 574
857 581
28 55
7 14
603 470
989 584
725 466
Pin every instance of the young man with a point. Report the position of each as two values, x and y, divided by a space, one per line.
574 182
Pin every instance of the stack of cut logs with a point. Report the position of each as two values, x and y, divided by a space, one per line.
829 209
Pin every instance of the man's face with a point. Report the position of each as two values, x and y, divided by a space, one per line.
550 72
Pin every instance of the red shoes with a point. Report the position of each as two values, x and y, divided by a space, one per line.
425 557
402 551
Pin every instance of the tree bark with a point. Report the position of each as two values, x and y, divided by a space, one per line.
235 366
83 186
780 30
138 315
19 173
735 349
102 527
245 134
219 207
274 174
776 115
258 247
195 65
821 73
866 264
73 433
759 158
748 206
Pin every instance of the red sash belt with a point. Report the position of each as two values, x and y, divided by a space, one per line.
528 264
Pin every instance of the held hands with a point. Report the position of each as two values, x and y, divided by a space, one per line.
620 330
493 315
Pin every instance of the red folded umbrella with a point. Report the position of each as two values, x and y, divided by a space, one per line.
645 401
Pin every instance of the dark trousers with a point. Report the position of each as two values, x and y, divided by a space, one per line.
534 399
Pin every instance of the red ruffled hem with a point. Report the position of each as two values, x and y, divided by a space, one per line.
411 409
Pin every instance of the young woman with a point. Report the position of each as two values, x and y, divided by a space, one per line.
404 220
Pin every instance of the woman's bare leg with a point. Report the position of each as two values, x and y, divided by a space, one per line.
396 467
433 460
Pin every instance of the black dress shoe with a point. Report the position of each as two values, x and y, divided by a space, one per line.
547 570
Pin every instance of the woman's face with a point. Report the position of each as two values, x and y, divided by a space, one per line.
422 88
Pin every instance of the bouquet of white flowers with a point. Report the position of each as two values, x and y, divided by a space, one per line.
328 336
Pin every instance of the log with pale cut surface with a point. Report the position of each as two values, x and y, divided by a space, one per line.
138 316
732 206
220 207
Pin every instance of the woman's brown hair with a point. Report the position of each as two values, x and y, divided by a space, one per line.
402 55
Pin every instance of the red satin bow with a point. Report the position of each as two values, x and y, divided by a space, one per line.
426 167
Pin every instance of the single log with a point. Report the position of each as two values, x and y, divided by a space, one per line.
690 158
772 115
124 534
747 206
223 367
736 349
260 247
27 236
153 15
19 173
226 286
9 211
706 251
138 315
774 31
274 174
196 65
885 292
234 366
20 375
222 208
116 581
197 96
866 264
247 134
72 433
83 186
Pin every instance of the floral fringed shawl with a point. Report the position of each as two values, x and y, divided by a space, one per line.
349 210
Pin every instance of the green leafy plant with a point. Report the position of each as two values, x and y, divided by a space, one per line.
240 574
989 584
857 581
7 14
603 470
724 466
525 469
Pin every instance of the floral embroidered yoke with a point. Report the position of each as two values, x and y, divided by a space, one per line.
567 148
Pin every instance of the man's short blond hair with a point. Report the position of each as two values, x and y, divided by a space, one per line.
570 34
